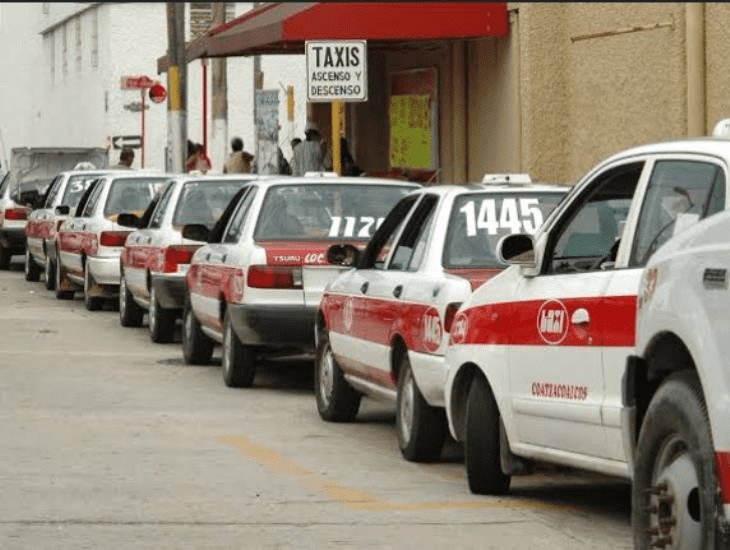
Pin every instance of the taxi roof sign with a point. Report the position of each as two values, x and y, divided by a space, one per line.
722 129
501 179
320 174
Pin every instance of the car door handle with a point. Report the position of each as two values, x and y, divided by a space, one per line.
580 317
364 287
207 257
397 291
83 226
149 240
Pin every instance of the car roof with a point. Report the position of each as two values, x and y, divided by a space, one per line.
715 146
217 177
454 189
330 180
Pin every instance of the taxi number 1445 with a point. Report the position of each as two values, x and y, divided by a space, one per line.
527 217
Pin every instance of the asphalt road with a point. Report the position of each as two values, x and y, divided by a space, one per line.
110 441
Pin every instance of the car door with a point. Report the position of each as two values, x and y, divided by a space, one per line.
74 239
553 325
40 222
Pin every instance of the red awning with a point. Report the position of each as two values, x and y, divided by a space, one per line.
283 27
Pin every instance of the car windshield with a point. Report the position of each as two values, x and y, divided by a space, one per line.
326 211
131 195
479 220
203 202
75 187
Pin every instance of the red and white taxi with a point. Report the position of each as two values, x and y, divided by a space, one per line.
537 360
383 328
13 217
66 189
248 289
156 257
89 244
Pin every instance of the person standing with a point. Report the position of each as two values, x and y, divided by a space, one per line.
126 158
308 155
239 161
197 159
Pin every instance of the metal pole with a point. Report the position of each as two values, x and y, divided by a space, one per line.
142 137
257 85
176 83
338 131
204 63
219 91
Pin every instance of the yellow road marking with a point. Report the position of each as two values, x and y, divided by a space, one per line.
355 499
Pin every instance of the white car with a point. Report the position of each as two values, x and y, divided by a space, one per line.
383 327
90 243
156 257
681 462
65 189
13 217
256 286
537 357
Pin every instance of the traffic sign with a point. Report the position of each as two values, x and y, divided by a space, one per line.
158 93
135 142
136 82
336 70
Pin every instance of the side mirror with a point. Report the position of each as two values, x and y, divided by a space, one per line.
196 232
343 254
126 219
63 210
517 250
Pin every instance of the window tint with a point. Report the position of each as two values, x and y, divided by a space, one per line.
52 191
203 202
131 195
591 233
479 220
382 242
235 227
159 212
75 187
92 199
350 211
680 192
411 246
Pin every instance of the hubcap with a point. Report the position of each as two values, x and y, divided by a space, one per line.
27 261
674 499
405 412
48 269
227 348
123 297
326 375
153 310
188 325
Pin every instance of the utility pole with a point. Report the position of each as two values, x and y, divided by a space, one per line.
258 84
177 135
220 97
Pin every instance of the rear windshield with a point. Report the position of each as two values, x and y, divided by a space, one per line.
479 220
75 187
131 195
325 212
204 201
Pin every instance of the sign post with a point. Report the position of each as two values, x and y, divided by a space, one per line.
337 73
141 83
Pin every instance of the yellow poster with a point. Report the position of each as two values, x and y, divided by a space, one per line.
410 131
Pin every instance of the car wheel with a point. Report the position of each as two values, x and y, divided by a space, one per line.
197 347
5 257
421 428
239 361
675 493
92 303
337 401
62 294
130 314
31 269
161 321
482 452
50 273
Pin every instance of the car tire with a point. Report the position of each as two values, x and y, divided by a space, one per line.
50 273
92 303
197 346
5 257
31 269
674 481
482 451
421 428
239 360
62 294
161 321
337 401
130 314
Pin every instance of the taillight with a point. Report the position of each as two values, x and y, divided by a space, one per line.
113 238
449 315
175 255
269 276
16 213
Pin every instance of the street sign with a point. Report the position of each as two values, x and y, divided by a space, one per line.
336 70
135 142
136 82
158 94
135 106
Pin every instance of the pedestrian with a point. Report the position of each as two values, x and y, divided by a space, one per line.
284 167
347 162
308 155
239 161
126 158
197 160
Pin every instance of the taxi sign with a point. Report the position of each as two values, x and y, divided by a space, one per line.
722 128
336 70
320 174
501 179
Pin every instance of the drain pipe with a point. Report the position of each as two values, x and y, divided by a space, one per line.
695 49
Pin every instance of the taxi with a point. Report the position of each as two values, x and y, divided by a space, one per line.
65 189
382 328
255 287
155 257
89 244
13 218
537 355
681 460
